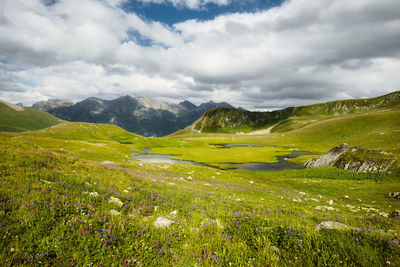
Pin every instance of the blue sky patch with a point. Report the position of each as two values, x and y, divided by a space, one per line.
169 14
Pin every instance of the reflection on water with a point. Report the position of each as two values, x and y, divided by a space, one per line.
282 164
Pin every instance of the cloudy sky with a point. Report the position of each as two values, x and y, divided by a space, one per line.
258 54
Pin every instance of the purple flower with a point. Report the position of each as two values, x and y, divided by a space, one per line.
356 239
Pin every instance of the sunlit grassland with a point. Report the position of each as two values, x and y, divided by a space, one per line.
240 218
27 119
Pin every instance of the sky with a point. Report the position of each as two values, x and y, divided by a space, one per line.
256 54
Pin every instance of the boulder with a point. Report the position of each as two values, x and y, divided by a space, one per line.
331 225
356 159
162 222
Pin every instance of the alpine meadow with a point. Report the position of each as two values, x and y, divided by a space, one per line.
199 133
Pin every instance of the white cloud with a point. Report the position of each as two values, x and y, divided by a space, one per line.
191 4
299 53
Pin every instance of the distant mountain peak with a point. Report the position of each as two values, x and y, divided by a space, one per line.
187 104
52 103
142 115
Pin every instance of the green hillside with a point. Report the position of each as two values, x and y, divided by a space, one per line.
232 121
24 119
71 194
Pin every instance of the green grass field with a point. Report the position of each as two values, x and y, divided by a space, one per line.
56 185
28 119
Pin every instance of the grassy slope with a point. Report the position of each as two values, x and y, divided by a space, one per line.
233 121
268 218
28 119
371 130
46 216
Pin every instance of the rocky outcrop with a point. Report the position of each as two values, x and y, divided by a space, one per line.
52 103
355 159
331 225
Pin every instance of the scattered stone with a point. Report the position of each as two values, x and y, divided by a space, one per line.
114 213
206 184
297 200
302 193
383 214
189 178
125 191
94 194
346 196
162 222
238 199
319 196
314 199
251 182
116 201
324 208
395 195
173 213
331 225
330 202
213 177
216 222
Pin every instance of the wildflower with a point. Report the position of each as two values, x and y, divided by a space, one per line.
356 239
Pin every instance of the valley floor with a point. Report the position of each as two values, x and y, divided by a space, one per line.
71 195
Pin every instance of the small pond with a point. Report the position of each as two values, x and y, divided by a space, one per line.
282 164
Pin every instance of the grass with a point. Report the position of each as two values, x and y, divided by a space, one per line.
56 183
28 119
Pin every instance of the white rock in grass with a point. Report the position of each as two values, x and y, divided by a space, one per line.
116 201
297 200
331 225
114 213
330 202
162 222
324 208
251 182
383 214
94 194
302 193
125 191
174 213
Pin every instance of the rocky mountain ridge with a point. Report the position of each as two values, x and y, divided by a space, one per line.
141 115
51 103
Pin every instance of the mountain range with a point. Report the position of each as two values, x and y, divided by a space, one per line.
141 115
